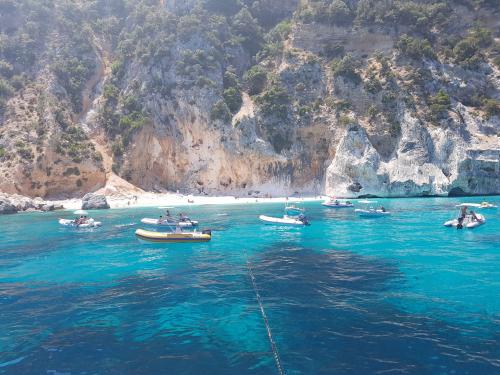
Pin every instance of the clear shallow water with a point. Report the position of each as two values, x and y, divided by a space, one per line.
346 295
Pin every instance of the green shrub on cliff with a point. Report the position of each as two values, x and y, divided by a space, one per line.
346 67
335 12
274 101
372 84
230 79
418 16
6 89
130 123
468 52
255 80
232 97
24 151
491 107
439 105
6 69
248 29
415 48
220 111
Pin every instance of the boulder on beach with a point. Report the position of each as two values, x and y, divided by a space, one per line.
6 206
47 207
94 202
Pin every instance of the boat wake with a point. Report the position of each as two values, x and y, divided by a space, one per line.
124 225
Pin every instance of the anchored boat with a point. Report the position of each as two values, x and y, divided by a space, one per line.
335 203
89 223
483 205
370 211
469 221
300 220
183 223
175 237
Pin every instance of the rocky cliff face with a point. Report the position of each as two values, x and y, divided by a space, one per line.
348 98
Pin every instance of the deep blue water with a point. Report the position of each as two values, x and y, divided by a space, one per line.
395 295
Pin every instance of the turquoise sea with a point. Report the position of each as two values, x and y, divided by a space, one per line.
392 295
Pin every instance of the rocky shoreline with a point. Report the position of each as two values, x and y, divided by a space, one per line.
11 204
14 203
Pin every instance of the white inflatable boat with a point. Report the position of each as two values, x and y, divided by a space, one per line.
337 204
185 223
285 220
483 205
468 222
90 223
371 212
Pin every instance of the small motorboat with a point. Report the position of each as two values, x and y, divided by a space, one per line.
183 222
300 220
89 223
483 205
488 205
173 237
335 203
468 222
371 212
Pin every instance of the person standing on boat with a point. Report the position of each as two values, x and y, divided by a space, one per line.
167 215
463 214
473 214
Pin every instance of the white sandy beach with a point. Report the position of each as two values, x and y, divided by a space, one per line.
174 200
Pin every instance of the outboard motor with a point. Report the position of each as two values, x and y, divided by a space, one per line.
304 220
207 231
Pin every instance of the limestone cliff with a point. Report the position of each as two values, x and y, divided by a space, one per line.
350 98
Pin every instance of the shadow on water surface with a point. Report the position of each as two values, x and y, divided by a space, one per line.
201 321
329 315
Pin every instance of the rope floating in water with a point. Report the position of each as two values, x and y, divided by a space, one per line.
274 348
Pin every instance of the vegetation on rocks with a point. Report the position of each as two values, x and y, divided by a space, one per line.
439 105
346 67
308 67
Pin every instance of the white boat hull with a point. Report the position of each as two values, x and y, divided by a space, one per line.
167 223
338 205
91 223
468 222
290 221
484 205
371 213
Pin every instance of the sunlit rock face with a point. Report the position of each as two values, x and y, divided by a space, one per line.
271 97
